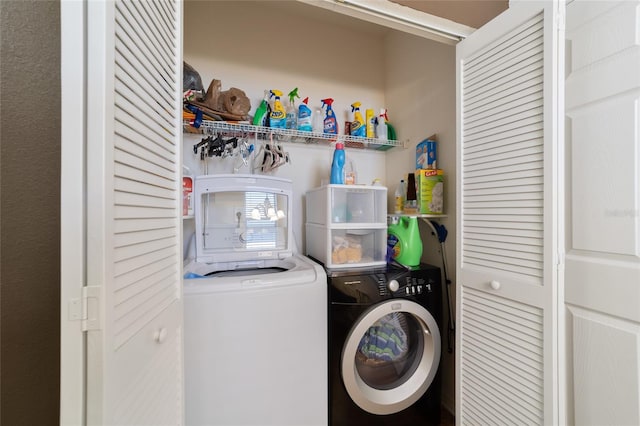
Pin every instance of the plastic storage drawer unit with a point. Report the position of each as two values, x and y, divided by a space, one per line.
346 225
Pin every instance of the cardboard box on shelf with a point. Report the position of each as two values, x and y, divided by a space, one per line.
430 191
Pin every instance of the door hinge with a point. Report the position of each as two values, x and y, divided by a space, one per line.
86 309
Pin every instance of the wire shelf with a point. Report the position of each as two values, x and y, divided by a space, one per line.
288 135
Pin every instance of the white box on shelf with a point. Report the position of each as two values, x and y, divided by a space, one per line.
347 247
332 204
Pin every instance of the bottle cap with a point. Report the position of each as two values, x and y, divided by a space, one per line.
339 145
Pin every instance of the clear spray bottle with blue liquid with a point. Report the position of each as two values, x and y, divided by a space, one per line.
292 111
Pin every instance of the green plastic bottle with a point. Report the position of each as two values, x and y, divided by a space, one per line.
403 238
261 118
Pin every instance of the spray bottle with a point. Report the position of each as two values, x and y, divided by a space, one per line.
358 127
381 126
278 116
261 118
292 112
330 121
305 116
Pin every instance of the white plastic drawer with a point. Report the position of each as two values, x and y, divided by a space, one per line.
332 204
347 247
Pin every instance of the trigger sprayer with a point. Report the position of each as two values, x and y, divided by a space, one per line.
292 113
357 125
381 126
278 115
330 121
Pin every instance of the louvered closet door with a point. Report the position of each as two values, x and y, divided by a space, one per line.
506 249
134 259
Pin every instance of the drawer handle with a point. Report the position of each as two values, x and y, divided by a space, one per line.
495 284
160 335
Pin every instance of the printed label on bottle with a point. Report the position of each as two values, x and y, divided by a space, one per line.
187 198
393 246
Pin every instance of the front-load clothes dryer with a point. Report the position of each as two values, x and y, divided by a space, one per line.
384 346
255 345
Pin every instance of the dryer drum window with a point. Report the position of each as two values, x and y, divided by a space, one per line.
390 351
391 356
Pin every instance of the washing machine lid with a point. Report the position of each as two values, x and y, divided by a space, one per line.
242 218
262 274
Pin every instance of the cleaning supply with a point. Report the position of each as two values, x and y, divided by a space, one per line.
358 127
305 116
278 117
337 165
318 121
404 242
381 125
187 192
399 198
330 123
411 201
261 118
292 112
350 176
430 184
370 118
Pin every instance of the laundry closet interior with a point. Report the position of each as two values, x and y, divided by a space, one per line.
262 45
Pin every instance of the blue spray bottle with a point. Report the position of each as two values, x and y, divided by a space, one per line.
330 121
337 166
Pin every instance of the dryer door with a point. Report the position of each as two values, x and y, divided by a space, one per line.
391 356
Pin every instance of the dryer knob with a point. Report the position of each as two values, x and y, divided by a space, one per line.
394 285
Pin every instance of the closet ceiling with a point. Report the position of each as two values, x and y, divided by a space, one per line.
474 13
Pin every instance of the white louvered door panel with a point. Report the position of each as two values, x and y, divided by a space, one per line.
134 258
508 133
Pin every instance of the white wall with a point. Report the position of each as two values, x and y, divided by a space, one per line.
235 42
420 88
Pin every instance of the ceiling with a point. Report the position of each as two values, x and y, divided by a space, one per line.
473 13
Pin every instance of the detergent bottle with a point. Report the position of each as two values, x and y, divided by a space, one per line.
278 117
330 122
292 111
381 126
261 118
337 165
305 116
358 127
404 242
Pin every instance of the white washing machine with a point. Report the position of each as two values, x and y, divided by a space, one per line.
255 316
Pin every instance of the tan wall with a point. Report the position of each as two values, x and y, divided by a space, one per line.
421 91
29 216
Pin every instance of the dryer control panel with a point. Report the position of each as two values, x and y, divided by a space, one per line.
364 287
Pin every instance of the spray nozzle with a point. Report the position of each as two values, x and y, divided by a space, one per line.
355 106
276 93
293 94
383 114
327 102
305 100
